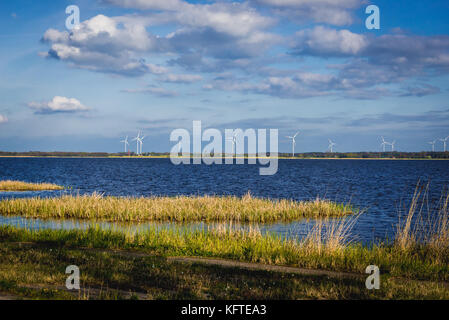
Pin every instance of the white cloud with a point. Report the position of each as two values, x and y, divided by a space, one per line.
106 45
3 118
325 41
222 36
121 45
58 104
233 18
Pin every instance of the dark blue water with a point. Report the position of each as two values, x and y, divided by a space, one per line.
382 187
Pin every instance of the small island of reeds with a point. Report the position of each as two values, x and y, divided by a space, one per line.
11 185
176 209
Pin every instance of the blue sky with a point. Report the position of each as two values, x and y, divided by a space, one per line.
156 65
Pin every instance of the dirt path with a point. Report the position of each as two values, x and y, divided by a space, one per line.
264 267
238 264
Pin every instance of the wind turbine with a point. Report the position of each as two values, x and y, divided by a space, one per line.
392 145
126 143
141 143
331 145
293 142
444 143
233 139
384 143
433 145
138 141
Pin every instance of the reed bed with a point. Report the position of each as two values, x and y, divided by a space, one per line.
327 246
420 249
11 185
425 229
175 209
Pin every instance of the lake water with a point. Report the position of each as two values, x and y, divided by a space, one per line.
381 187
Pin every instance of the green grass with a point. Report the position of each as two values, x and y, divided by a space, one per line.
37 272
10 185
419 262
177 209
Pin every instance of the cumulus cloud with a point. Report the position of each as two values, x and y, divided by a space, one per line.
387 59
324 41
122 44
410 53
106 45
58 105
216 37
235 18
3 118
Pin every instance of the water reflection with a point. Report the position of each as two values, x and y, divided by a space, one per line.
298 230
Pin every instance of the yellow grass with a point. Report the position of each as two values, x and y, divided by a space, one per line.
177 209
10 185
433 232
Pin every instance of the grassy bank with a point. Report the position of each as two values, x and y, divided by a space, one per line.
414 265
418 251
178 209
10 185
37 272
420 261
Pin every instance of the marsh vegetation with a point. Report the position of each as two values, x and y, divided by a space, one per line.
414 265
12 185
413 254
176 209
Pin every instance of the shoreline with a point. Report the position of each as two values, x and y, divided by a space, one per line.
263 158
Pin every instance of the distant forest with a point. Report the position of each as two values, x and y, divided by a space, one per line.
338 155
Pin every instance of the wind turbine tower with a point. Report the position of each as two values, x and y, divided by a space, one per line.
444 140
433 145
126 143
383 144
137 139
141 143
331 145
293 142
392 145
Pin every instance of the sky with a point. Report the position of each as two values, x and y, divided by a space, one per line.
157 65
